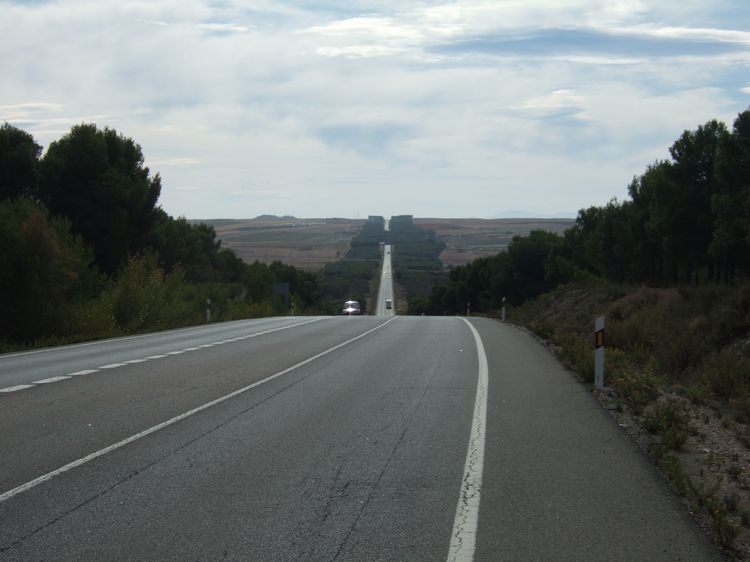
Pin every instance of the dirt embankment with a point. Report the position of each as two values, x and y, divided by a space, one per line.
677 380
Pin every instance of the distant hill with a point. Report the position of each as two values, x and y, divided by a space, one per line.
469 239
532 215
311 243
274 217
305 243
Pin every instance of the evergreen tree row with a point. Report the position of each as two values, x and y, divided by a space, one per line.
687 221
85 250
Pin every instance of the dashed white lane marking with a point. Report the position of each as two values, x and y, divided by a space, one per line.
135 361
52 379
112 366
463 538
84 372
180 352
50 475
191 349
15 388
155 357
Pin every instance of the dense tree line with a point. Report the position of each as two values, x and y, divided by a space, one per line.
350 278
687 221
85 250
416 256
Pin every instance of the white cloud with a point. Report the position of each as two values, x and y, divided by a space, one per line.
224 27
556 101
184 161
696 34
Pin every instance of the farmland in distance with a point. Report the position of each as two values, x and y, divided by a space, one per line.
469 239
310 243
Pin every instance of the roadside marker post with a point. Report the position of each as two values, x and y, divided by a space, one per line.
599 352
208 311
502 314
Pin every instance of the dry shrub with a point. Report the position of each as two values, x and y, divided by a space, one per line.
637 388
727 375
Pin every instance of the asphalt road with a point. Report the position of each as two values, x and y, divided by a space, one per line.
355 438
385 290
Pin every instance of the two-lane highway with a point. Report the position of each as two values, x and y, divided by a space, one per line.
323 439
385 290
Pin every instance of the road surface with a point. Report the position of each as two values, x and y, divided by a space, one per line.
385 290
359 438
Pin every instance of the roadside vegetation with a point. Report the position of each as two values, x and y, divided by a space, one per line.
677 377
86 252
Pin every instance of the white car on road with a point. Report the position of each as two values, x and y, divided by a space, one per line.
351 308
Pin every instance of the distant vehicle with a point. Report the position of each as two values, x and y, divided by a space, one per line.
351 308
388 303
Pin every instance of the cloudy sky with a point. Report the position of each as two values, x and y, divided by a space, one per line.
439 109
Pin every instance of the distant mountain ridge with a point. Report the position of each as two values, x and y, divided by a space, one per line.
531 215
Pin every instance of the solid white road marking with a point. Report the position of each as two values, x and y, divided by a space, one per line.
51 379
50 475
15 388
463 538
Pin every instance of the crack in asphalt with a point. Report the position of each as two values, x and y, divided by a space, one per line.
387 464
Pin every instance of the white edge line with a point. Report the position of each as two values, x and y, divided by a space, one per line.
463 538
83 460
